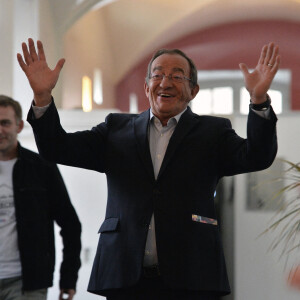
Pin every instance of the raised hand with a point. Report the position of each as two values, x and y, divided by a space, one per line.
41 78
259 81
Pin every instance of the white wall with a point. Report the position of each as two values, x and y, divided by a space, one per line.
25 25
260 274
6 34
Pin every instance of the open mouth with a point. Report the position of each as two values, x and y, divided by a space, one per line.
165 95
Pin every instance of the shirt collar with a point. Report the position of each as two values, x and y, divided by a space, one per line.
176 118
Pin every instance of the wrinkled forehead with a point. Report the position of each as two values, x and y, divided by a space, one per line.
171 63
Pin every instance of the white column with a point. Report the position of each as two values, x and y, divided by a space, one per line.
25 24
6 36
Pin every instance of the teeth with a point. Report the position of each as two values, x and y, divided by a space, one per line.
165 95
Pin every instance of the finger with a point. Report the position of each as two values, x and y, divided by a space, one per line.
276 64
270 51
294 277
59 65
71 294
244 69
63 296
274 55
263 54
21 62
66 294
32 49
26 54
41 52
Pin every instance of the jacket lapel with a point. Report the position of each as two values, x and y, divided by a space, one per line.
185 124
141 134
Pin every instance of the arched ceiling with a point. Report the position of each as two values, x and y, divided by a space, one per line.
136 28
116 35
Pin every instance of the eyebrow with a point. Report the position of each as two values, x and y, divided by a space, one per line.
159 68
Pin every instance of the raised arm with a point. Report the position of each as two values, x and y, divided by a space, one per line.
41 78
259 81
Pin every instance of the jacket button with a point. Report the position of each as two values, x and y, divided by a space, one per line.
156 192
145 225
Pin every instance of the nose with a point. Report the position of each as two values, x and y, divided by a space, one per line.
166 81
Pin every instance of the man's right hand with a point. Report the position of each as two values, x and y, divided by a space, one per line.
41 78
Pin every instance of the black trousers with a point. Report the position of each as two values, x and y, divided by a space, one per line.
154 289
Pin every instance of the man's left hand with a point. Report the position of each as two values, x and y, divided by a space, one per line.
259 81
66 294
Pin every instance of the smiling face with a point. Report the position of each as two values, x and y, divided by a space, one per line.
9 130
168 98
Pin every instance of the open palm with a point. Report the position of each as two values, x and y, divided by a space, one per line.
41 78
259 81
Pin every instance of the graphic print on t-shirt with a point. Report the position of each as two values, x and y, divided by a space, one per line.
10 264
7 210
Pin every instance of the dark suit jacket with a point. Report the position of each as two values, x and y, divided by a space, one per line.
201 151
41 199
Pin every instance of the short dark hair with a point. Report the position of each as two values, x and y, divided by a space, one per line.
193 69
7 101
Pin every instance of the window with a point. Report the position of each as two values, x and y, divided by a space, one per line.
86 94
133 103
222 92
97 87
217 100
276 97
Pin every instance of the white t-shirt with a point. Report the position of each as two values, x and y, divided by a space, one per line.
10 264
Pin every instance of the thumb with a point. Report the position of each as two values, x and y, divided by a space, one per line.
244 69
59 65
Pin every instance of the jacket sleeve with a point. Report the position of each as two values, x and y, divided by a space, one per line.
83 149
65 216
257 152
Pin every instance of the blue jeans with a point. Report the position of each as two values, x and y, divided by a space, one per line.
11 289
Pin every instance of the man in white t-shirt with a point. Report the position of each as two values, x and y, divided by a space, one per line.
32 197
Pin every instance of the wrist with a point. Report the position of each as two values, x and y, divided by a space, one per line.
262 105
42 99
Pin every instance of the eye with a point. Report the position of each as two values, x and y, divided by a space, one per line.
156 76
177 77
5 123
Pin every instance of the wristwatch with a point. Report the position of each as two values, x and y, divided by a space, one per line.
262 106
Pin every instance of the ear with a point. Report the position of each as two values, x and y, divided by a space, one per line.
20 126
194 91
146 88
